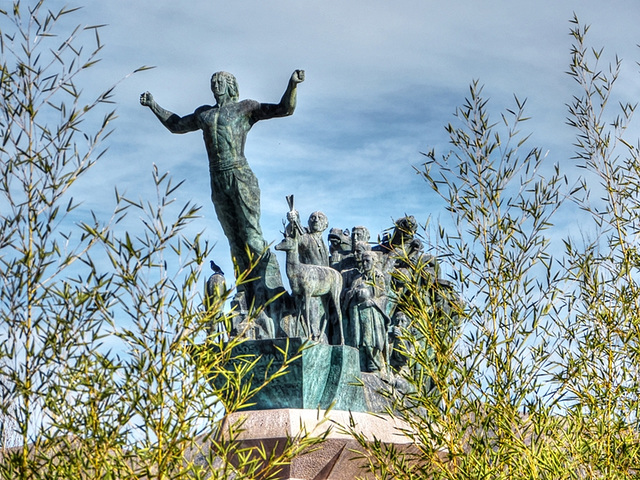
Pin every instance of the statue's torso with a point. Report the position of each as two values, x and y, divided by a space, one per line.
224 129
312 250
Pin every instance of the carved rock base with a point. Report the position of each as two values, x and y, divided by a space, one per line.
335 459
323 376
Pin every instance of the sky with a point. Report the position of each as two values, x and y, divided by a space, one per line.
383 79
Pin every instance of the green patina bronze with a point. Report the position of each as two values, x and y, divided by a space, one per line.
234 187
345 300
323 376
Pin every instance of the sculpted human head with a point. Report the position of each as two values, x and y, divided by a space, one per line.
404 230
359 234
223 84
359 249
368 261
318 222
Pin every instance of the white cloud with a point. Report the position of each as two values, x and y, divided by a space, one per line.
383 78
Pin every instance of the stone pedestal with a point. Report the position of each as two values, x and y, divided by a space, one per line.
323 376
335 458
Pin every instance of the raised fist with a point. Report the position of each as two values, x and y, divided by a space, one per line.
146 99
297 76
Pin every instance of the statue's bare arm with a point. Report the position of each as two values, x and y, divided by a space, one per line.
287 104
173 122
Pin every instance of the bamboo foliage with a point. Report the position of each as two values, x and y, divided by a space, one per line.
102 368
535 373
526 368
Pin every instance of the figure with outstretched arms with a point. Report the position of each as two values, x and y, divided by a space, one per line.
235 192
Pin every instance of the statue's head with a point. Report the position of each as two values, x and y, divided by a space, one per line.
340 240
368 261
224 84
359 234
318 222
404 230
359 249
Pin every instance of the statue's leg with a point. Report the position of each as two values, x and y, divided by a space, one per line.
246 207
236 197
223 198
316 319
248 213
351 327
337 309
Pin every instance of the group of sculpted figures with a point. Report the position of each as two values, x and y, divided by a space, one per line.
343 292
348 292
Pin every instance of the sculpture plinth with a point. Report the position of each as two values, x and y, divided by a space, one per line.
338 458
345 300
322 377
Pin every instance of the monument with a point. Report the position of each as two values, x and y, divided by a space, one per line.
235 192
342 313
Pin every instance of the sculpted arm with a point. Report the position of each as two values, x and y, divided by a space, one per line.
287 104
174 123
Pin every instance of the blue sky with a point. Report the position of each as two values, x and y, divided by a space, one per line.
382 80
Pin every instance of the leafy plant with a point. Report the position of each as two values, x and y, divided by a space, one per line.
98 365
540 380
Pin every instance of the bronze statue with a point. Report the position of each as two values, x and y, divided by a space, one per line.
311 246
234 187
366 321
309 282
